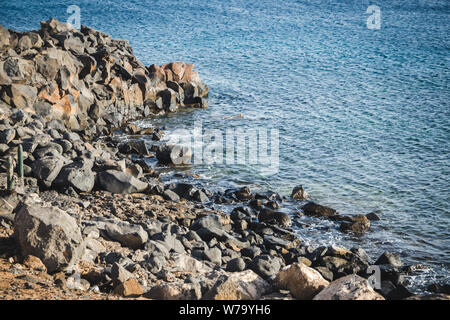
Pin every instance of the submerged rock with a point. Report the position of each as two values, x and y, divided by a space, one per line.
317 210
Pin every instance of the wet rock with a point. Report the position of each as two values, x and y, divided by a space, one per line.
303 282
49 234
439 288
275 217
174 154
133 236
246 285
372 216
389 258
359 225
200 196
317 210
351 287
241 194
394 292
120 182
299 193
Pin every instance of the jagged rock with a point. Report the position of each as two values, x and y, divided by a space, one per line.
23 96
129 288
246 285
7 135
49 234
351 287
265 265
120 182
133 236
389 258
303 282
77 175
47 169
119 274
299 193
214 255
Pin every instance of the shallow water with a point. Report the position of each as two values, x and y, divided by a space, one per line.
363 115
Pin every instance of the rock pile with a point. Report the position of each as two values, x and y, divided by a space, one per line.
89 80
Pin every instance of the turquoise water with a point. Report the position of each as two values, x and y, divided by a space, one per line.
363 114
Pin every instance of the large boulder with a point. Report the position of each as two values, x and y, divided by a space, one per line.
351 287
49 234
303 282
120 182
47 169
78 175
246 285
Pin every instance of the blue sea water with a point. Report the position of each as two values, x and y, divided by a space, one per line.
363 114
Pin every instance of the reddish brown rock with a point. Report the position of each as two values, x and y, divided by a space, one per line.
129 288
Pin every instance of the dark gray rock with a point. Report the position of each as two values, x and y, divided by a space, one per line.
120 182
78 175
48 168
7 135
213 254
171 196
235 265
299 193
133 236
317 210
266 266
389 258
49 234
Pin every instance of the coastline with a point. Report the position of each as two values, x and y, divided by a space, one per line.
130 234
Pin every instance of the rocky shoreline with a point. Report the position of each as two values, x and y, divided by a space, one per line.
91 219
